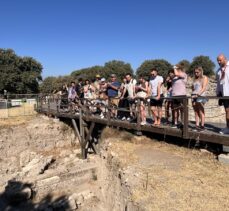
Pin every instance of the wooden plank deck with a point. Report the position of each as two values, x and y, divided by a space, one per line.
211 134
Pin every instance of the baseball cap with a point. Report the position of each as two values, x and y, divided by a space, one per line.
113 76
97 76
103 79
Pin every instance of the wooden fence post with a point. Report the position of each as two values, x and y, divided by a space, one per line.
185 118
139 117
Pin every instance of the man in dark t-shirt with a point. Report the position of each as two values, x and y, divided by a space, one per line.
112 91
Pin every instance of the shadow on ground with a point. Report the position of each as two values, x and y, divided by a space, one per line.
20 196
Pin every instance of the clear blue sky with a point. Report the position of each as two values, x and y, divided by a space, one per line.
65 35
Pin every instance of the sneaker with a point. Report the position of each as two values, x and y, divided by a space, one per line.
196 129
143 123
202 128
224 131
128 119
174 126
124 118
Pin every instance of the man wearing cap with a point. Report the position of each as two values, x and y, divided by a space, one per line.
112 91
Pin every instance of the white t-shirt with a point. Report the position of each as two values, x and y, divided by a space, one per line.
223 85
130 87
154 82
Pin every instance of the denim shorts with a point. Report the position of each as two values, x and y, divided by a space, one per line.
202 100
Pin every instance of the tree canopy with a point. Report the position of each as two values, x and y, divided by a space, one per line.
162 66
205 62
19 74
120 68
51 84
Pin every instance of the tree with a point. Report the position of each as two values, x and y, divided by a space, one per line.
205 62
162 66
119 68
185 64
51 84
19 74
88 73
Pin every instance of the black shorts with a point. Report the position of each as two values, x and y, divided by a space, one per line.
157 103
178 102
225 103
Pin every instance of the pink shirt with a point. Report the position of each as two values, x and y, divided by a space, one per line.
179 85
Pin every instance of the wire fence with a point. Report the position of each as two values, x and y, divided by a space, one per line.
15 105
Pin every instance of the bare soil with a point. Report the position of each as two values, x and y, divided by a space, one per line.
167 177
130 173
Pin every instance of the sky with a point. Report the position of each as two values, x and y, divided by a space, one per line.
67 35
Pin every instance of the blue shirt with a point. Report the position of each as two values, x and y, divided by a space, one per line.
112 92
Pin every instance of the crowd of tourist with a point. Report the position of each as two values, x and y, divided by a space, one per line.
150 91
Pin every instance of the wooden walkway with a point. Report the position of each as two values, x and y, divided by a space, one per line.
85 119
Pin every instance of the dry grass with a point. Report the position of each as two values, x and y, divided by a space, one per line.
24 110
15 121
170 177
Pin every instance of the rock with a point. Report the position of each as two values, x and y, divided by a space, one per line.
205 151
25 157
72 203
78 197
37 166
80 200
56 120
48 181
224 158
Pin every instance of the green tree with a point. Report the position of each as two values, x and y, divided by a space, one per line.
51 84
19 74
119 68
162 66
205 62
88 73
48 85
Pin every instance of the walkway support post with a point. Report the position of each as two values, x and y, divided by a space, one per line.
185 118
139 132
82 135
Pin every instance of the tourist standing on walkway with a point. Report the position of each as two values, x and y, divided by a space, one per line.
72 92
199 86
112 91
129 91
178 90
168 101
72 95
222 76
141 93
64 97
88 90
96 84
155 91
123 102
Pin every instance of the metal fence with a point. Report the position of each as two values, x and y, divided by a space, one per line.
14 105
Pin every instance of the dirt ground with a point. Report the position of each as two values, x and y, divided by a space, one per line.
167 177
130 172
